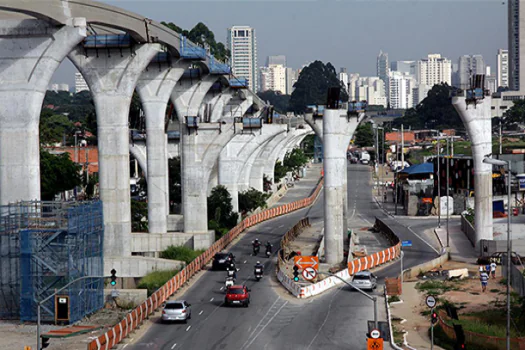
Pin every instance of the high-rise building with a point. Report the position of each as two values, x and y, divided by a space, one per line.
279 59
433 70
516 44
383 69
371 89
276 76
468 66
406 67
343 77
401 90
420 92
58 87
80 83
291 78
242 44
503 68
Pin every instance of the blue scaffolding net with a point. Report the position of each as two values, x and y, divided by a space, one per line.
43 247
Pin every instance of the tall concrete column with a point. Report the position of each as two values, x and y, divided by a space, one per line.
200 150
112 79
477 120
32 51
236 154
154 88
337 133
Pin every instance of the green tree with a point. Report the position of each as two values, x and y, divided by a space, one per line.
174 180
434 112
58 173
220 208
53 127
295 159
279 171
364 135
139 216
308 144
515 114
276 99
252 199
312 86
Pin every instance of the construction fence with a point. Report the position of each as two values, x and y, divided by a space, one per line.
43 247
133 319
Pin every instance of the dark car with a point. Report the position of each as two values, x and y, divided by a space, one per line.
237 295
222 260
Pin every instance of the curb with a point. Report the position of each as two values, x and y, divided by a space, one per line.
389 317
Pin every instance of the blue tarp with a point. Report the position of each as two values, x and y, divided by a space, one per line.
424 168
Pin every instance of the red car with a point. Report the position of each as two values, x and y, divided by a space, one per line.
237 295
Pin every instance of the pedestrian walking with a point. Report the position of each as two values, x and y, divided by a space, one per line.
487 269
493 269
484 278
481 269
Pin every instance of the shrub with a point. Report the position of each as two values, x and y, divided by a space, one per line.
252 199
181 253
139 216
156 279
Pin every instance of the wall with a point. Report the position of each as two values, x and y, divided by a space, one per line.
468 229
414 271
127 296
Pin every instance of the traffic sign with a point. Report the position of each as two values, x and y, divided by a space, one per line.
406 243
309 273
375 333
374 344
431 301
303 262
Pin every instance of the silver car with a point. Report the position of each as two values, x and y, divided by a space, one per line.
365 280
177 310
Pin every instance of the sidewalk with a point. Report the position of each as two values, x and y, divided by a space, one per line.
304 186
460 247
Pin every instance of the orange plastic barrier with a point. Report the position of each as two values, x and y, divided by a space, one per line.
121 330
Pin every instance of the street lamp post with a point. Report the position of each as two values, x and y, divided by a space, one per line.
439 180
499 162
448 187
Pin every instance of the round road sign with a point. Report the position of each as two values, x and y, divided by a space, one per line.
375 333
431 301
309 273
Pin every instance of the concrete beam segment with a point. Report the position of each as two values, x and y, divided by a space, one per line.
112 80
234 158
477 120
199 154
32 51
138 150
337 133
214 177
317 126
292 136
294 143
154 88
188 95
219 104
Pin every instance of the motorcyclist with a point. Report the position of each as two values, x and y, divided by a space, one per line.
260 266
232 272
256 243
268 247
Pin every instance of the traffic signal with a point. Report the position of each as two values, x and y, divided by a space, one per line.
113 277
45 343
296 273
434 317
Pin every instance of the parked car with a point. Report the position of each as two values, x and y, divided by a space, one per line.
237 295
498 258
222 260
365 280
177 310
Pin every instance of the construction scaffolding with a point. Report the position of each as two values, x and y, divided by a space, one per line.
44 246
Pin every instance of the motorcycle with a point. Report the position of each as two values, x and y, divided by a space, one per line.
258 273
230 281
268 253
231 273
256 249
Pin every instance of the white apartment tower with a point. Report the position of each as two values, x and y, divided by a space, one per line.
243 47
434 70
401 88
468 66
503 68
80 83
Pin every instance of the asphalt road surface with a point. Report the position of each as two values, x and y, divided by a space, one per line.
274 320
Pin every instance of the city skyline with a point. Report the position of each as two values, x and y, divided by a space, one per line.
291 35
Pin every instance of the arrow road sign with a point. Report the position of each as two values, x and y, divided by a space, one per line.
309 273
303 262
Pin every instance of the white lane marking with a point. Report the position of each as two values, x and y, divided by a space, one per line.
125 346
174 345
245 261
325 319
262 319
187 329
422 240
222 288
200 313
363 218
264 327
211 300
281 226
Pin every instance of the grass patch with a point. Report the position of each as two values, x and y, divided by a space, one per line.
181 253
393 298
398 334
437 287
156 279
494 290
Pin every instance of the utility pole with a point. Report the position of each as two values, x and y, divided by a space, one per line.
448 185
500 138
402 147
439 180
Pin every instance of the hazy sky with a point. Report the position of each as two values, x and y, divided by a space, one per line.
347 33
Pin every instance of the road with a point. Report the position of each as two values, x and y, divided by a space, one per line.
275 320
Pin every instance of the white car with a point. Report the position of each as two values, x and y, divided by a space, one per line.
177 310
365 280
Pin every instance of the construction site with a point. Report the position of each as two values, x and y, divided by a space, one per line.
43 247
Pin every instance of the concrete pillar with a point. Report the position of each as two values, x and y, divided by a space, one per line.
220 103
337 133
138 150
257 172
214 177
235 155
32 51
154 88
316 125
112 79
200 150
278 151
477 120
